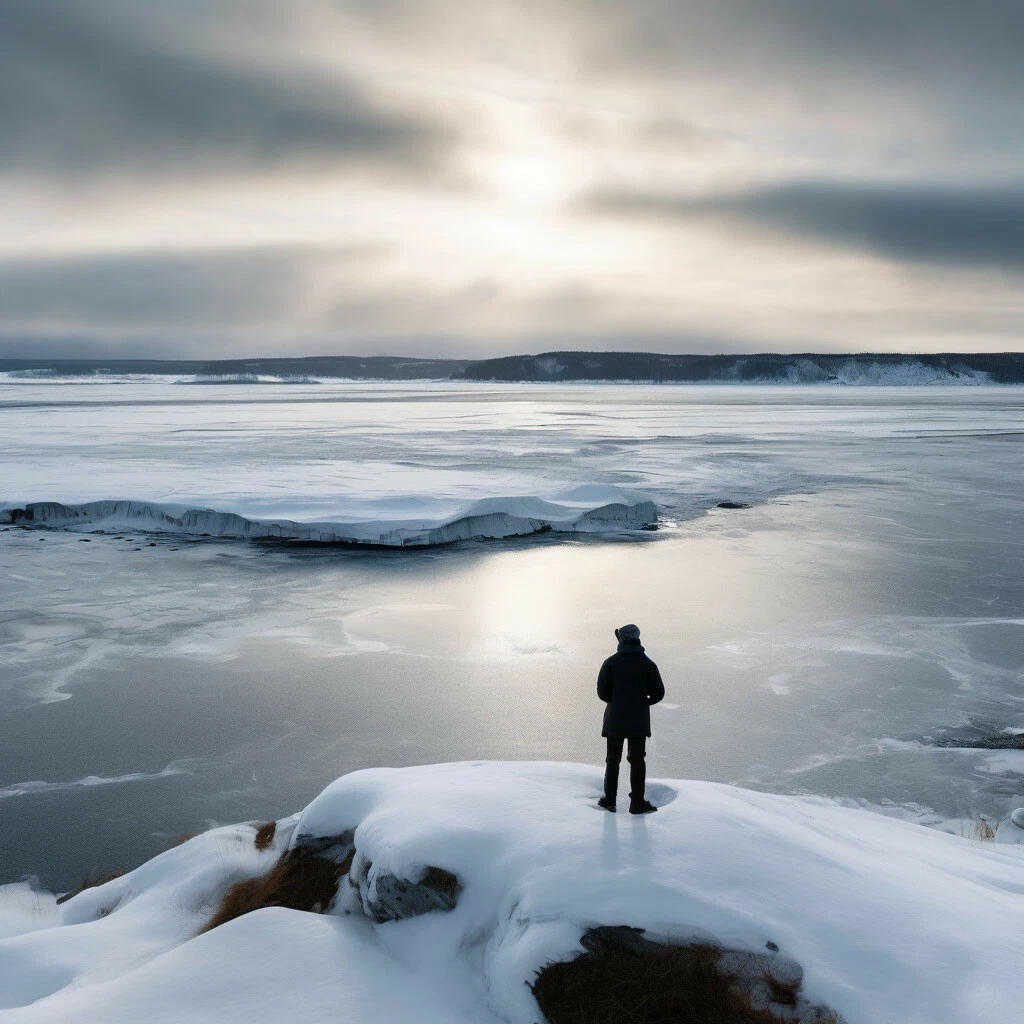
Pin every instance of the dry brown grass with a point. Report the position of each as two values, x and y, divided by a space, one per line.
615 984
265 835
983 830
91 882
300 880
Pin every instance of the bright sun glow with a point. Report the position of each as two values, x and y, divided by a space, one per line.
530 177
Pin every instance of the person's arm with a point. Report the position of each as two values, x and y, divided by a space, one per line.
655 687
604 683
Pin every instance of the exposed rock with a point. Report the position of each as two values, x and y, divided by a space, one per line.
695 981
340 848
386 897
733 504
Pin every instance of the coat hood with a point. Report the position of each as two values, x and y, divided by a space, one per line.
628 647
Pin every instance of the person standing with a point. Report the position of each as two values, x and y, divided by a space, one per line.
629 683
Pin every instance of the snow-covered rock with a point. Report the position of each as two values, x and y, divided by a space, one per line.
1012 829
489 519
880 919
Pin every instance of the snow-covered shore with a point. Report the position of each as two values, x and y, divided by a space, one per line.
890 921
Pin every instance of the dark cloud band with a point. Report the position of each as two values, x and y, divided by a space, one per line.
167 290
106 88
930 224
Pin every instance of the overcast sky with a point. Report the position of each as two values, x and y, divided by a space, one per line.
245 177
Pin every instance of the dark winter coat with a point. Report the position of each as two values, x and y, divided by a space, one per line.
629 683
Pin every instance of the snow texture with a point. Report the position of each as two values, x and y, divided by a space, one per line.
890 921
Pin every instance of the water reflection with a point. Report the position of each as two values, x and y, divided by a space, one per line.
808 644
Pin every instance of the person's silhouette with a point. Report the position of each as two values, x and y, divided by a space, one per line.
629 683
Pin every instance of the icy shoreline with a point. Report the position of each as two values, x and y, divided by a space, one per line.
884 920
490 519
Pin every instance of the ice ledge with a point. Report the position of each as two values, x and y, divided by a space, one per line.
491 519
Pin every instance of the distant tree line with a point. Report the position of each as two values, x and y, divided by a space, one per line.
806 367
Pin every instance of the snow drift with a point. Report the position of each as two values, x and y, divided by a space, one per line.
889 921
489 519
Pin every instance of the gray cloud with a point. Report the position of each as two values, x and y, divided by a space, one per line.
275 299
121 89
164 291
265 298
197 122
908 38
873 67
958 61
927 223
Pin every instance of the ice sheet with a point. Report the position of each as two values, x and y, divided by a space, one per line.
353 453
869 597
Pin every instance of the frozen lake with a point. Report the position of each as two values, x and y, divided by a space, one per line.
870 597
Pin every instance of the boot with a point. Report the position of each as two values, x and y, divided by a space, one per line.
641 807
611 783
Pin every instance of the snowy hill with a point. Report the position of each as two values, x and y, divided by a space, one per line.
457 883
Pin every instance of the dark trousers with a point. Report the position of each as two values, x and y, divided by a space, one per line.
637 767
